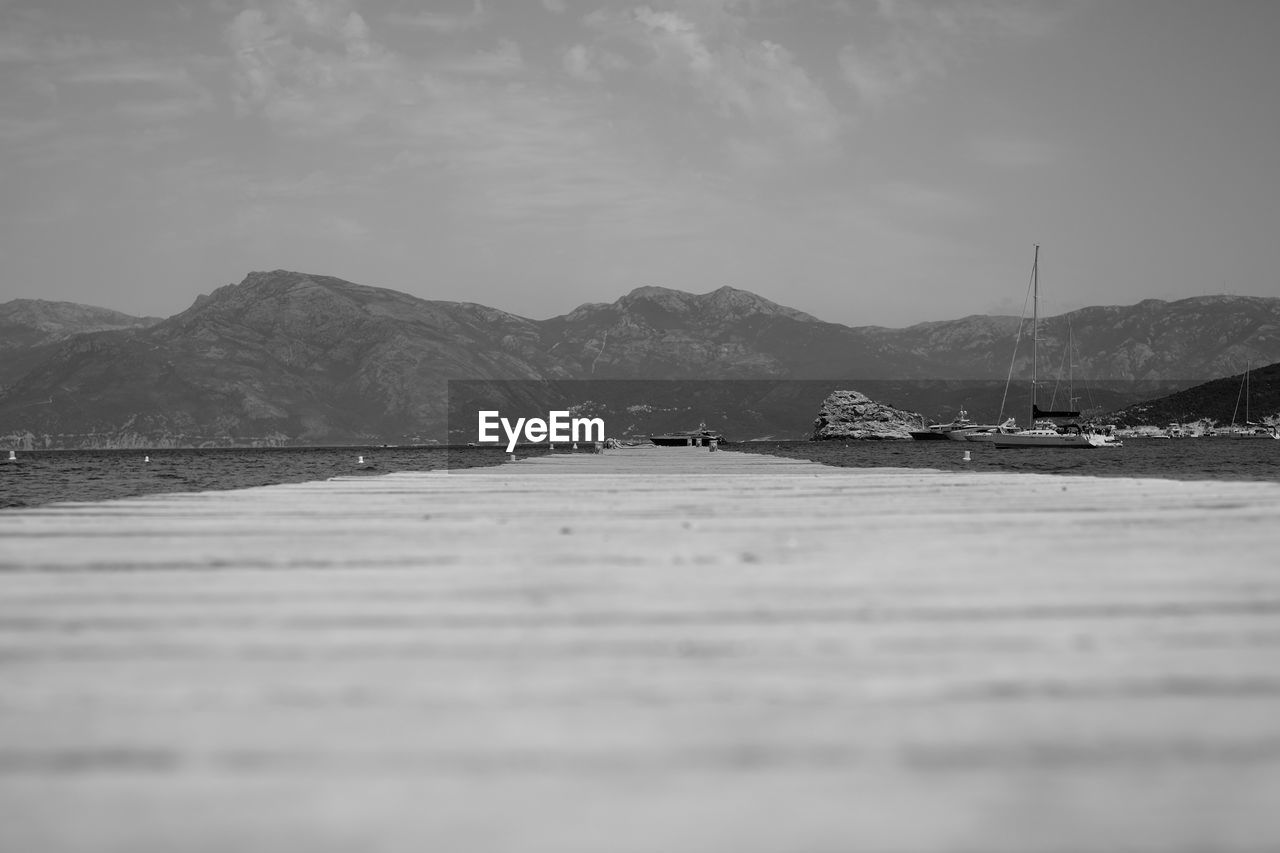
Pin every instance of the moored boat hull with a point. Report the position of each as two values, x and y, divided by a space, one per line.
967 433
687 439
1047 438
1261 432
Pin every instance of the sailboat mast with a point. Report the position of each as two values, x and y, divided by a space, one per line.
1035 333
1071 367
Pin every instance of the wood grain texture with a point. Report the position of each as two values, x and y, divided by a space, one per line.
646 650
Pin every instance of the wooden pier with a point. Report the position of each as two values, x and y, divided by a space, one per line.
646 650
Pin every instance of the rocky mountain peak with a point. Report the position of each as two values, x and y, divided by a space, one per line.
732 302
723 303
286 296
284 283
647 300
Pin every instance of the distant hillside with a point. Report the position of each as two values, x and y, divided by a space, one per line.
287 357
280 357
657 333
31 322
28 327
1200 338
1220 400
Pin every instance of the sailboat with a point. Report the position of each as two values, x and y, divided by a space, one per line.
1250 430
1043 432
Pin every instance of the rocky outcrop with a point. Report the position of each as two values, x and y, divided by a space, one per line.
852 414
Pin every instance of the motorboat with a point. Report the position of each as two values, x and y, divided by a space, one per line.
699 437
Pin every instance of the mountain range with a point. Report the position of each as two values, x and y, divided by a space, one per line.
292 358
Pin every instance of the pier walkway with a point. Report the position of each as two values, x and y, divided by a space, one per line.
646 650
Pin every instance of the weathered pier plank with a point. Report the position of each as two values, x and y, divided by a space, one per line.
646 649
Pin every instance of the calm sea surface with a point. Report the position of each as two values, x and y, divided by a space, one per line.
1171 459
45 476
41 477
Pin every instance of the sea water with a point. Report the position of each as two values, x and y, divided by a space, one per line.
44 477
1171 459
49 476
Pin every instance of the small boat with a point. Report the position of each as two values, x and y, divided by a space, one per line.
933 432
958 430
691 438
1259 431
987 434
1107 436
1044 432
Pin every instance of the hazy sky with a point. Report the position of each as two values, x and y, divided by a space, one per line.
868 162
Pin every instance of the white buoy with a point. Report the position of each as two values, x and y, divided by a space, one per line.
359 460
13 457
146 459
967 457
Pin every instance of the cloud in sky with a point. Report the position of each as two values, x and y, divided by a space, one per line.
444 23
580 64
905 44
764 99
1013 152
867 161
308 65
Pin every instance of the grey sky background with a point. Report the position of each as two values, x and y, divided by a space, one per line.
868 162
